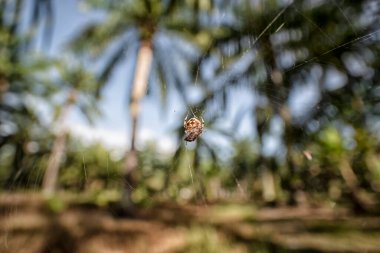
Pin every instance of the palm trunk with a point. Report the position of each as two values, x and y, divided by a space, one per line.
358 199
267 177
139 89
268 185
51 175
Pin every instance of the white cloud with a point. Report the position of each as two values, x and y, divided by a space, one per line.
110 138
117 139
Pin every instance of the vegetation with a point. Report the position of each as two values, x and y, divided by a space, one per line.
303 77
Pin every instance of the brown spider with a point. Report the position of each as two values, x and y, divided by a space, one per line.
193 128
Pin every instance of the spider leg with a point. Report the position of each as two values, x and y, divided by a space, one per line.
184 122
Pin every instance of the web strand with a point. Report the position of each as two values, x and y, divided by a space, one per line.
361 38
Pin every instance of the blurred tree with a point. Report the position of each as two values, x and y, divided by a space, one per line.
161 32
284 47
79 84
20 80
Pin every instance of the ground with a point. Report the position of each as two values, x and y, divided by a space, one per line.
30 224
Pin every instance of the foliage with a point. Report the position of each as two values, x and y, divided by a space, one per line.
89 168
326 144
21 88
281 50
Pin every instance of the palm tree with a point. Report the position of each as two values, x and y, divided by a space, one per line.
20 77
78 84
161 32
266 36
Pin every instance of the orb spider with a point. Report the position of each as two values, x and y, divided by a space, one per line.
193 128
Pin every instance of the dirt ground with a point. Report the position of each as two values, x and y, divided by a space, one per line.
27 225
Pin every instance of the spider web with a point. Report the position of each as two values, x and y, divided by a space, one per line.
279 100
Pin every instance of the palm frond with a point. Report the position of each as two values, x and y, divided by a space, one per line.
111 63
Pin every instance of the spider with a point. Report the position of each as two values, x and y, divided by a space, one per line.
193 128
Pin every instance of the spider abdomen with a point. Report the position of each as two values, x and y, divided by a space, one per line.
193 129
